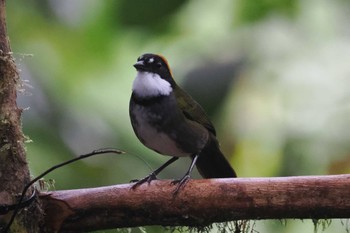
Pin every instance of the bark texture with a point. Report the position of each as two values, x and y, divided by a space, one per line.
200 203
14 173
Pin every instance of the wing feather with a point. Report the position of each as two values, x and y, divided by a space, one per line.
192 110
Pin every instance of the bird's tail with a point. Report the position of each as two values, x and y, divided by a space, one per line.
211 163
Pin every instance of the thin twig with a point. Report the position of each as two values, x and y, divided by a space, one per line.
18 204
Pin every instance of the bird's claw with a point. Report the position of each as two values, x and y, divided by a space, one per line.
180 183
147 179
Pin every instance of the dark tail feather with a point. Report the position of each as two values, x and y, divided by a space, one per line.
211 163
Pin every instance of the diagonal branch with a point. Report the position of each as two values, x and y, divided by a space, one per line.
200 203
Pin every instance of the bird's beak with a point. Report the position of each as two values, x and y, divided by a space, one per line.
140 65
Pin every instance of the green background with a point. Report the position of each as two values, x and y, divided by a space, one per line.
273 75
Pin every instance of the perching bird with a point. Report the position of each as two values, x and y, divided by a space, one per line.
167 120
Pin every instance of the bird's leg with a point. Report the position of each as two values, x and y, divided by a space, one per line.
153 175
181 182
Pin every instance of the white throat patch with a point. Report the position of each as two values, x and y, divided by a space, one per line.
148 84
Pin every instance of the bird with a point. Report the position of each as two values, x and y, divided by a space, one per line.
170 122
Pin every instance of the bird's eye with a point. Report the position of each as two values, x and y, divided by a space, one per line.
159 64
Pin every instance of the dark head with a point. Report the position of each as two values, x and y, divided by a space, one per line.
153 77
154 63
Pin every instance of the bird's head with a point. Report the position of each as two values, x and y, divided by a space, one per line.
154 76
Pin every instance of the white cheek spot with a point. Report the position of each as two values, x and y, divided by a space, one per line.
151 60
148 84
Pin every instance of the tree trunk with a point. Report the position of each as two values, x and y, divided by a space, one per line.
14 173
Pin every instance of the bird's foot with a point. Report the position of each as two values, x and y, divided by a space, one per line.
180 183
147 179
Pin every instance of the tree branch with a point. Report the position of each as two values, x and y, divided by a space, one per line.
200 203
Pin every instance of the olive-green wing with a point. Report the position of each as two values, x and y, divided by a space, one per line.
192 110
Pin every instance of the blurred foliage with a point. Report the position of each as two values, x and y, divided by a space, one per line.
250 11
273 76
146 16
